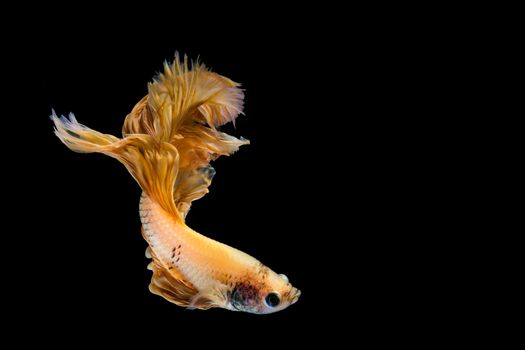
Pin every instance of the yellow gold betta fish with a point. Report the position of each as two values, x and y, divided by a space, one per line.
169 139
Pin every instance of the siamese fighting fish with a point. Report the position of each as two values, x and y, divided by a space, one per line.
168 141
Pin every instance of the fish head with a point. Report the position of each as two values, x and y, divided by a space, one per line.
278 293
264 293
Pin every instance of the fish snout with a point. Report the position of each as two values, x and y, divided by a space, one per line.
296 293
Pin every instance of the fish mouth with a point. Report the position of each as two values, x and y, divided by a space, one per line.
296 295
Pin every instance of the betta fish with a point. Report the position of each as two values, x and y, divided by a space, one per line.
168 141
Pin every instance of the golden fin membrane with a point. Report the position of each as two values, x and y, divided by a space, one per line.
182 96
197 148
154 165
170 136
80 138
174 290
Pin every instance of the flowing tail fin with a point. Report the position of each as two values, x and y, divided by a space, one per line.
152 164
171 135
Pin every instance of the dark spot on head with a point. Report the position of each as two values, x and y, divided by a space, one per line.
177 259
178 246
244 297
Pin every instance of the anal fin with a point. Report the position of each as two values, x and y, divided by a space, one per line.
170 284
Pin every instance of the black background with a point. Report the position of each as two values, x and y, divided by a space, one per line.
321 194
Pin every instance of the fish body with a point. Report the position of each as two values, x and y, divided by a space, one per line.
170 137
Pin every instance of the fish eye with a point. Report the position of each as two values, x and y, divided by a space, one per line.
272 299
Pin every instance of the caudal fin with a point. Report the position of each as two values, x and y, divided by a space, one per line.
171 135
